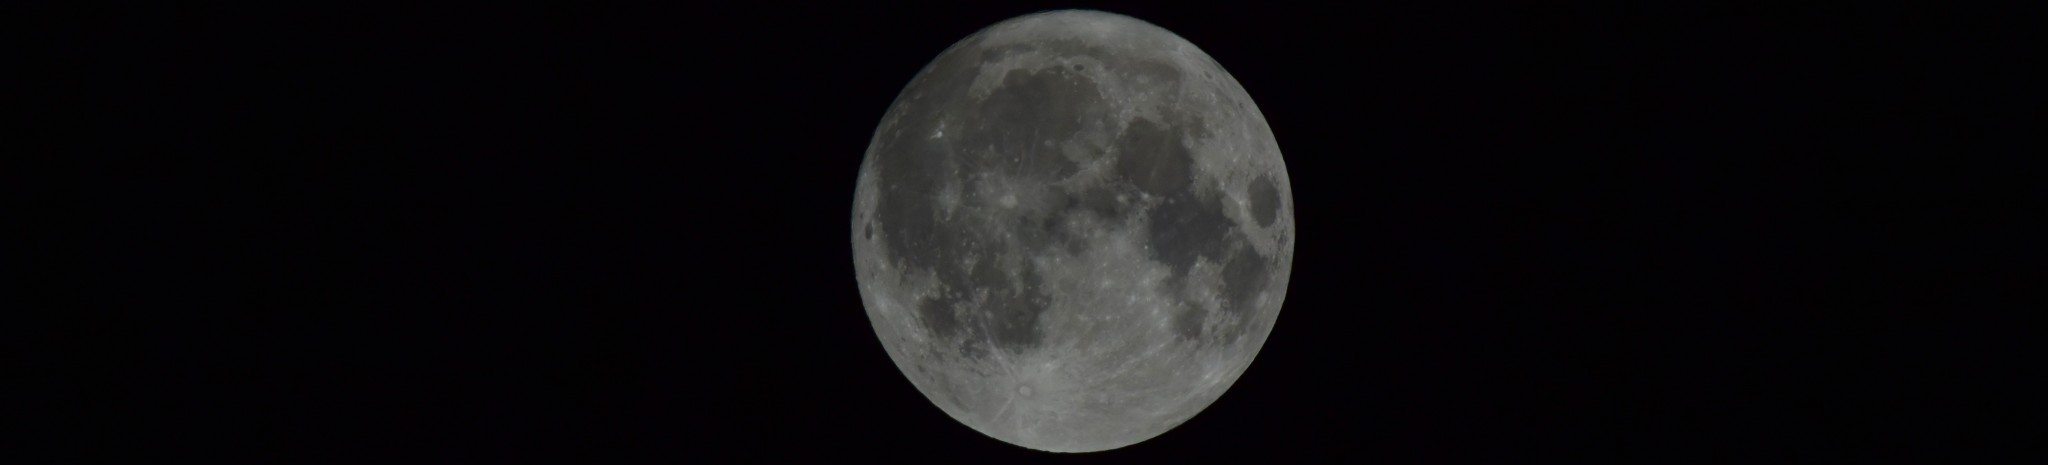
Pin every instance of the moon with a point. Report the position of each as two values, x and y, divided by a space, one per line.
1072 231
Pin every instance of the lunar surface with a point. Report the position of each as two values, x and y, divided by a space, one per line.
1072 231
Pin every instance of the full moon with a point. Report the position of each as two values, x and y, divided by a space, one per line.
1073 231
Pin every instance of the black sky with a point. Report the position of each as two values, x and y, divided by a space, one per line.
1527 233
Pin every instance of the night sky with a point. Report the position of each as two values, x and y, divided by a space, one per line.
1526 233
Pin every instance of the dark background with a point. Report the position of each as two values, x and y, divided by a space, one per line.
1527 233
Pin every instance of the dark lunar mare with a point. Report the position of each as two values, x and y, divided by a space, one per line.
1265 201
979 301
1190 222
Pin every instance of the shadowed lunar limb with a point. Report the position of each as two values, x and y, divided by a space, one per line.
1073 231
